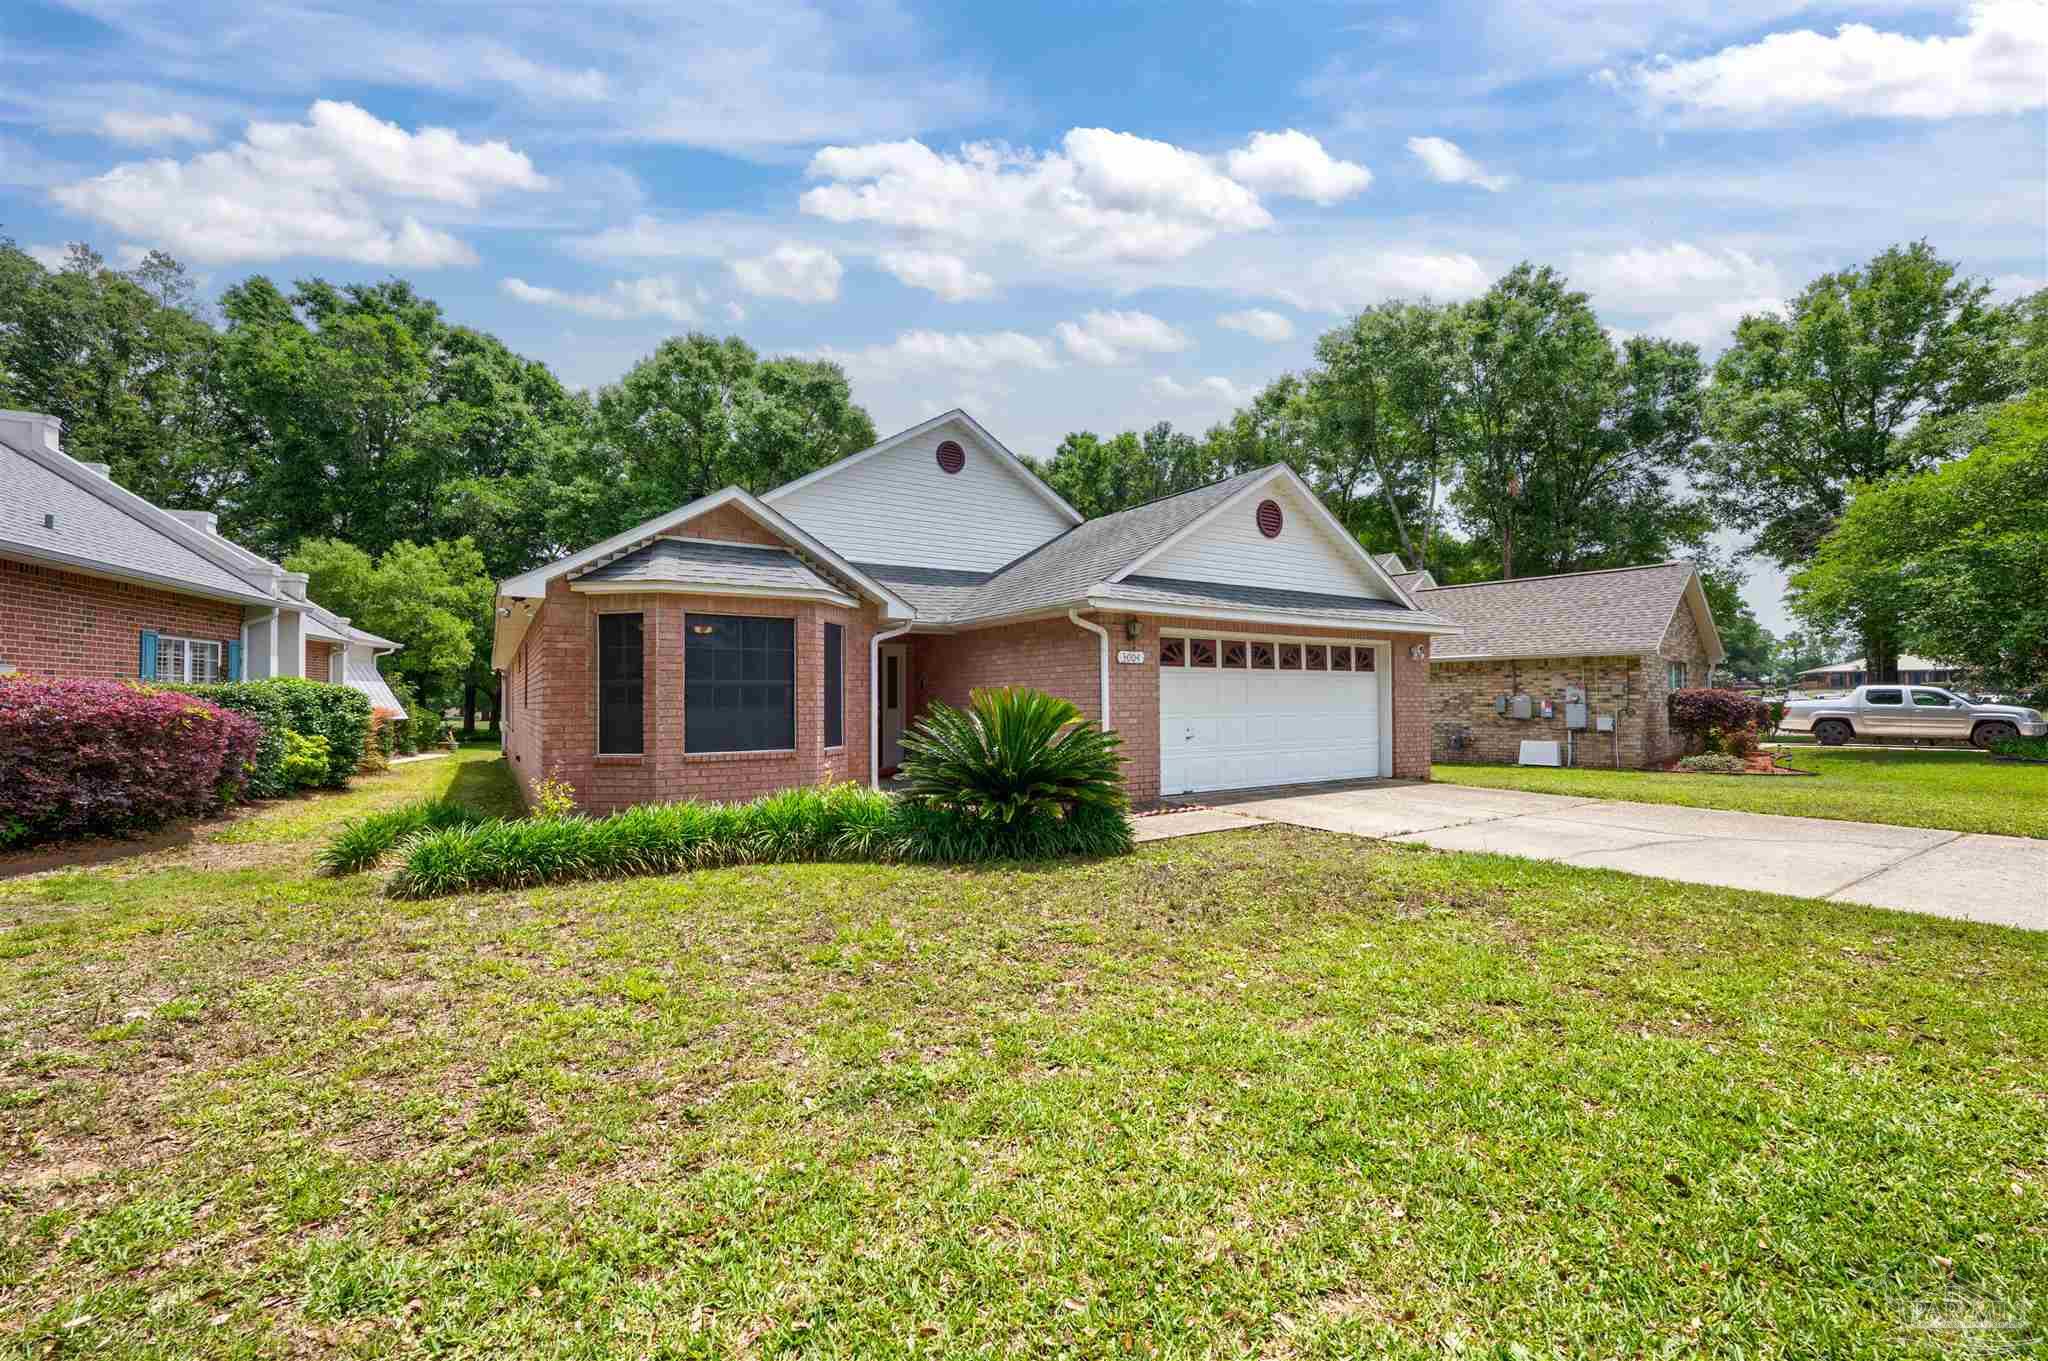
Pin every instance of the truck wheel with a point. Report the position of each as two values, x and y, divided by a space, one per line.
1987 733
1832 732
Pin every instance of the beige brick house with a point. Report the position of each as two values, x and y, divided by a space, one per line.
1619 641
1233 635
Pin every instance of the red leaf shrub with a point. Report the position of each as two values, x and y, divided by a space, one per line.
1698 713
80 757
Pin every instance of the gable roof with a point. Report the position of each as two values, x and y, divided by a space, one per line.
59 510
1004 459
1608 612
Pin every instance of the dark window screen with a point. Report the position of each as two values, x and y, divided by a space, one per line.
619 684
1884 697
835 685
739 683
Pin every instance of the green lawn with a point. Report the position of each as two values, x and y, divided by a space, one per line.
1268 1093
1963 791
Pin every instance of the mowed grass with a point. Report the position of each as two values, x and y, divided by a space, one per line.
1963 791
1269 1093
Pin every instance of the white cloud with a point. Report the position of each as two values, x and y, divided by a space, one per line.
1995 66
1258 322
1342 280
625 300
802 273
329 187
1294 164
1712 325
153 129
1116 337
948 276
49 256
1677 271
1104 196
918 352
1211 391
1447 163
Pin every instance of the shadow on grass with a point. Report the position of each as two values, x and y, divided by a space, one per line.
488 787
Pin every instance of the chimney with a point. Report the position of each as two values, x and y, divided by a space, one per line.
205 521
24 428
294 584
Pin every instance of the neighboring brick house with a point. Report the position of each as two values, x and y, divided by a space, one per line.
1234 635
96 582
1619 641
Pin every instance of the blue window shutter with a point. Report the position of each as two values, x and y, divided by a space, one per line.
148 662
235 659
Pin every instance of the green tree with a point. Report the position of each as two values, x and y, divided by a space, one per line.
700 414
1957 555
1098 476
1869 373
433 598
122 358
1570 444
1751 650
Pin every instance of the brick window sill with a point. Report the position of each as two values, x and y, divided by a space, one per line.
773 754
619 759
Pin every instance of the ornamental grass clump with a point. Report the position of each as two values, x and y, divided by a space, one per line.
362 842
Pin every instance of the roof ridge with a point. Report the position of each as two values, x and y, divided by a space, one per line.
1556 576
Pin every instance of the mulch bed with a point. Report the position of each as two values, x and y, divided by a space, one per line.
1760 763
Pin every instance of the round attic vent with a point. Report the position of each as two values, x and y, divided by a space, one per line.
1269 519
952 458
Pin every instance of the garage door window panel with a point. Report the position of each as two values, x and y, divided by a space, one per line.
1202 652
1173 652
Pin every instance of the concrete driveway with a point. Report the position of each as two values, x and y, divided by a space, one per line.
1976 877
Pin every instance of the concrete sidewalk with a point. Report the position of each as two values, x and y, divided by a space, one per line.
1971 876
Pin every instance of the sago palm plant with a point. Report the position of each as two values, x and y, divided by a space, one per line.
1012 755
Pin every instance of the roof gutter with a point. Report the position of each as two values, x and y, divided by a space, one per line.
1102 648
1348 623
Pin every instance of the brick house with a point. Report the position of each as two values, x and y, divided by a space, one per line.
98 583
1617 641
1233 635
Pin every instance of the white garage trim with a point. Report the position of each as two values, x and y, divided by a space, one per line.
1382 691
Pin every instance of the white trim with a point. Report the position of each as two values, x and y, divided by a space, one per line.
1317 510
1102 640
36 555
1252 616
1630 653
706 588
1016 465
1703 615
875 641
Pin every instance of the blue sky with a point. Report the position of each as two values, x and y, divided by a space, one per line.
1059 216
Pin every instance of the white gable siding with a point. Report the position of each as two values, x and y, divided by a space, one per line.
1230 549
899 507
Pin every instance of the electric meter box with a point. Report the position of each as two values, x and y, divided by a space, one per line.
1604 723
1521 706
1574 714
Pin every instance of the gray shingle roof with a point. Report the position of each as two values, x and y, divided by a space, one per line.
934 592
1622 611
1198 595
696 563
92 531
1062 569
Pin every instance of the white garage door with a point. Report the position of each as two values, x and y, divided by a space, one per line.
1239 713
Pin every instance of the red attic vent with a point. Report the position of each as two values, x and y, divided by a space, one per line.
1269 519
952 458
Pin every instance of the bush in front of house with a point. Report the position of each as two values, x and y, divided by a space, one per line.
837 822
1713 763
364 841
2022 748
1714 718
1014 754
88 757
285 704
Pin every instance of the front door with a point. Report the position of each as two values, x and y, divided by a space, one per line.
895 661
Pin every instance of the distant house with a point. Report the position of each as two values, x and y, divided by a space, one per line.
1234 635
1618 641
97 582
1850 674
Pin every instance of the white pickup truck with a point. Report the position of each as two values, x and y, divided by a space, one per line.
1913 712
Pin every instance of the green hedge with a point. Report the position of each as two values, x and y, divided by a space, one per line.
312 708
843 822
364 841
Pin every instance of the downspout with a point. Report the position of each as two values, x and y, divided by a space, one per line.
1102 639
875 642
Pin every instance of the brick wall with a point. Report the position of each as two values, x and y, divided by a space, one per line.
62 624
319 658
1634 688
551 694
